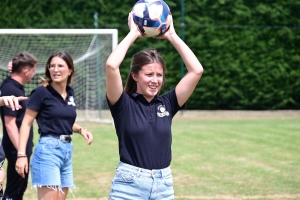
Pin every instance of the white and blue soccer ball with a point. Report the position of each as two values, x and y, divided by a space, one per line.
153 17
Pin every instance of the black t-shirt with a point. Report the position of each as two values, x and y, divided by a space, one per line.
11 87
144 129
55 115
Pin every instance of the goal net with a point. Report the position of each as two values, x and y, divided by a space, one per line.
89 49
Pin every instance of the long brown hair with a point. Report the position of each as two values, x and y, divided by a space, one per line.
140 59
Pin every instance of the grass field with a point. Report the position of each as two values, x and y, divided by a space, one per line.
216 155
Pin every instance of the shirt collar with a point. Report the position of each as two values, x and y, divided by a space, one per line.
19 85
69 89
141 97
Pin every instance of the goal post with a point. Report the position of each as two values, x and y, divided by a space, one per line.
89 49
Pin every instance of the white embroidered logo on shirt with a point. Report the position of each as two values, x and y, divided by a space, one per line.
71 101
162 111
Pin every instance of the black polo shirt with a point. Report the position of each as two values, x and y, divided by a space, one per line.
55 115
11 87
144 129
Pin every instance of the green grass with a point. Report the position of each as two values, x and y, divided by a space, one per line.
213 158
249 157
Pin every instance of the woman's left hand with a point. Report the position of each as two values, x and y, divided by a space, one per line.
169 32
87 135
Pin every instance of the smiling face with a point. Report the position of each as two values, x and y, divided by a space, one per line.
147 73
149 80
59 70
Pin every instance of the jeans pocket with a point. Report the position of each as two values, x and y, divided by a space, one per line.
124 176
168 180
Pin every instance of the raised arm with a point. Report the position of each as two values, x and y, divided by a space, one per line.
114 85
187 84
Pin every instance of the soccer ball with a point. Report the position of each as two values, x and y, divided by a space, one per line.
153 17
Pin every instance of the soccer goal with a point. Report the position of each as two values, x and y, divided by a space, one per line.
89 49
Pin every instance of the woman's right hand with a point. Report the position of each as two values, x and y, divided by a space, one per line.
133 27
22 166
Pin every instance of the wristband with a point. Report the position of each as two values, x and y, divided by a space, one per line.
21 156
21 153
80 129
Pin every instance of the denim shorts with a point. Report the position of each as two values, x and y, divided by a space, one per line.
132 182
51 163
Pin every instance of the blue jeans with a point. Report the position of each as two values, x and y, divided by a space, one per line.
132 182
51 163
